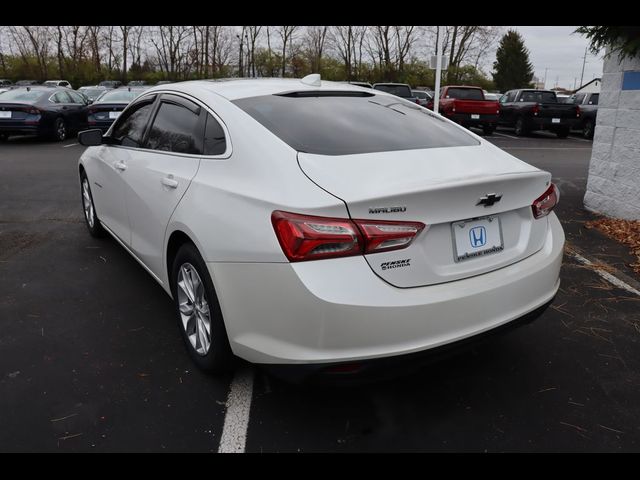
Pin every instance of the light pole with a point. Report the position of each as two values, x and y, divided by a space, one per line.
545 78
436 94
584 60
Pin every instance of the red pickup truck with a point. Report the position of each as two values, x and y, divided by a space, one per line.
468 107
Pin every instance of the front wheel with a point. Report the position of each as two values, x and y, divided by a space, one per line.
91 219
198 311
520 128
587 132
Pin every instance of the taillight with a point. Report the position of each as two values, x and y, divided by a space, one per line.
535 109
307 237
577 110
543 205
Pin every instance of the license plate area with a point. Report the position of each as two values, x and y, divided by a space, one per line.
475 116
114 115
555 120
476 238
5 114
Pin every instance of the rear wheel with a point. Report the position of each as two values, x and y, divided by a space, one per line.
488 129
587 132
562 132
59 133
198 311
521 130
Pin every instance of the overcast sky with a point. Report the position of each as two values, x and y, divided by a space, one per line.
561 52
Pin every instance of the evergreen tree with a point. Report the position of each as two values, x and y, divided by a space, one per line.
512 68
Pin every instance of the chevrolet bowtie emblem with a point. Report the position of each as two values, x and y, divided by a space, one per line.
489 199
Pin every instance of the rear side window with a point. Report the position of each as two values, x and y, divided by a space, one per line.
578 99
61 97
594 99
465 93
346 125
130 127
400 90
175 129
539 97
215 142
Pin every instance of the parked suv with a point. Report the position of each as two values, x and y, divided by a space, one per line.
588 104
402 90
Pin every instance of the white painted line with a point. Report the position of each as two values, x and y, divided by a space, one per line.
545 148
580 139
70 145
606 275
505 135
236 420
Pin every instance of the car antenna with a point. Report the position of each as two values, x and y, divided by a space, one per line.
314 80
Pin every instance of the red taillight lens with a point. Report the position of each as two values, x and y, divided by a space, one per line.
535 109
307 237
382 236
577 110
543 205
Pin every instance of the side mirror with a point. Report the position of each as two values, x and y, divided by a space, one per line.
90 138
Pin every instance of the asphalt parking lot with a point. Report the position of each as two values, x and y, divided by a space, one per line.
91 358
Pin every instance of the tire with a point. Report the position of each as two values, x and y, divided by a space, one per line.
194 306
90 217
562 132
588 130
488 130
521 130
60 130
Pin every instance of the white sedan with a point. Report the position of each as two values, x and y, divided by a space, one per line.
303 222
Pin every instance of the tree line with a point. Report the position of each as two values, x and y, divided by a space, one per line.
86 55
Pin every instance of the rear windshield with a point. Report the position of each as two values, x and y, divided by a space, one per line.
594 99
465 93
24 95
400 90
347 125
421 95
539 97
118 96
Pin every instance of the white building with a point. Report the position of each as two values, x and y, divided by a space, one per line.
591 87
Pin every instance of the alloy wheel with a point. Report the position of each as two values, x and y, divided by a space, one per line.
87 203
194 308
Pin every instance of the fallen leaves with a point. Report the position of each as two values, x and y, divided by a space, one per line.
626 232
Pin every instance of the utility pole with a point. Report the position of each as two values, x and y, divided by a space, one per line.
436 94
545 78
584 60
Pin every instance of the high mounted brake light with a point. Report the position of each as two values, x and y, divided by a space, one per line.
307 237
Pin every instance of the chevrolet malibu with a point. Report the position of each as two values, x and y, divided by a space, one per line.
303 222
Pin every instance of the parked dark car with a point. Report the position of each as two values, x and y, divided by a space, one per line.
526 110
361 84
43 111
110 83
4 83
103 112
92 93
401 90
588 104
137 83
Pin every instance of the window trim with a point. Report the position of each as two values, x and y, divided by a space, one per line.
227 153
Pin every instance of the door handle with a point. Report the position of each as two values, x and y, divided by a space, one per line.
169 182
120 166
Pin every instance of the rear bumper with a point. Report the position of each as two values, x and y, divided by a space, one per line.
467 120
333 311
16 128
537 123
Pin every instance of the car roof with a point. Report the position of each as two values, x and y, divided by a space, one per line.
234 89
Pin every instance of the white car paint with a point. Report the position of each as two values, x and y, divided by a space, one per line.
338 309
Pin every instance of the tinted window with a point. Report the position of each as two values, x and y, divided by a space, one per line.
214 140
577 99
400 90
510 96
539 97
465 93
175 129
130 127
118 96
77 98
61 97
345 125
594 99
420 94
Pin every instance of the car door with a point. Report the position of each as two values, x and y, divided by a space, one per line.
506 107
78 110
113 159
159 175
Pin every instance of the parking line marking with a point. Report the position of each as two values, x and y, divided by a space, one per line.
606 275
545 148
505 135
236 419
70 145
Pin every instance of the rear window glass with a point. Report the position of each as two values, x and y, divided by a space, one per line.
400 90
465 93
347 125
24 95
539 97
118 96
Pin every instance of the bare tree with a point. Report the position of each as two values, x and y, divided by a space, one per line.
171 45
287 35
253 36
315 42
93 35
